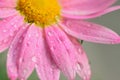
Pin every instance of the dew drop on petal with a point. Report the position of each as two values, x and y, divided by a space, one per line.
34 59
12 23
15 26
89 25
89 72
0 42
52 48
79 67
79 50
29 35
24 72
11 34
20 41
23 27
5 40
4 30
11 46
84 77
49 33
21 60
37 35
22 79
28 43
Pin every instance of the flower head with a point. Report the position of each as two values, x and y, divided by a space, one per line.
43 35
40 12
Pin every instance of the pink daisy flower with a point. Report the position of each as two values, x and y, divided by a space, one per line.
42 34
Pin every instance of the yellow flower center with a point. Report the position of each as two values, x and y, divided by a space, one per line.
40 12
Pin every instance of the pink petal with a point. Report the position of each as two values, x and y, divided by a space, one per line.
85 7
27 54
90 32
103 12
46 68
6 12
62 50
8 3
14 54
8 29
83 67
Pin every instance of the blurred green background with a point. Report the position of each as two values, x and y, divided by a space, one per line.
105 59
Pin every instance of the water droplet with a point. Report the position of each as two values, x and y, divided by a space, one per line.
11 46
21 60
22 79
37 35
0 42
34 59
5 40
80 51
24 72
23 27
52 48
89 25
20 40
79 67
28 43
84 77
50 33
4 30
12 23
52 41
11 34
15 26
89 72
29 35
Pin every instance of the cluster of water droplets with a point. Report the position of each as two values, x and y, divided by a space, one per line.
8 31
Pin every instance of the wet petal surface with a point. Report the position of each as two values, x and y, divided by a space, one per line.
62 51
8 29
13 55
45 66
84 7
7 12
90 32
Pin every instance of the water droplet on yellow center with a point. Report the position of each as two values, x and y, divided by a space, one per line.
40 12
